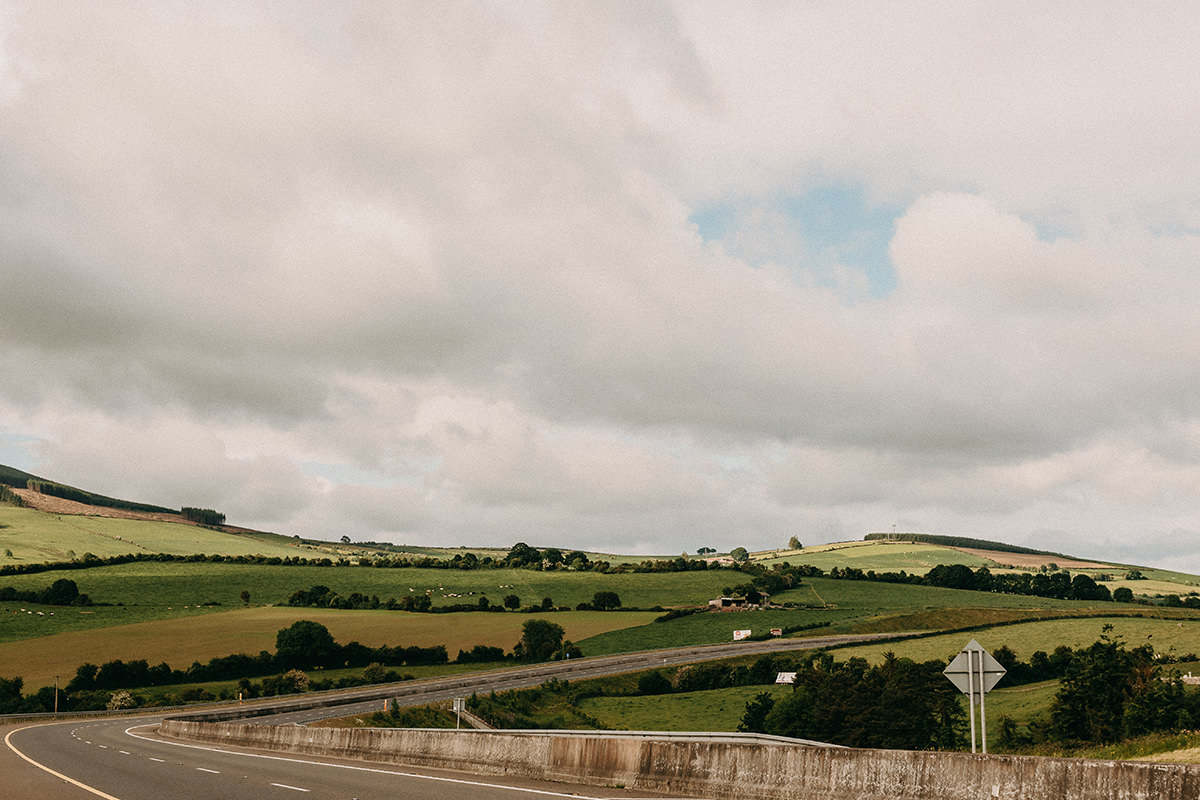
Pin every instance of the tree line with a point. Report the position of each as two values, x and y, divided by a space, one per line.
320 596
304 645
63 592
959 541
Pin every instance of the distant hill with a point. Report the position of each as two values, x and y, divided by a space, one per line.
17 479
959 541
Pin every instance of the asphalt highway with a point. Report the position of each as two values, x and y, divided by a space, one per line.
124 759
365 701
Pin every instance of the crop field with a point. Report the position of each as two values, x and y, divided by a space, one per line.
881 597
715 710
848 606
173 584
708 628
181 641
34 536
1177 636
1151 588
879 556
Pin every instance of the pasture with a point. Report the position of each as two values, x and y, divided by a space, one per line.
150 583
35 536
714 710
1175 636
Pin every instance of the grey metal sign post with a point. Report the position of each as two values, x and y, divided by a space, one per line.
460 705
975 673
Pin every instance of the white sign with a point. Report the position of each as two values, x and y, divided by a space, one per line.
777 631
739 635
975 672
785 677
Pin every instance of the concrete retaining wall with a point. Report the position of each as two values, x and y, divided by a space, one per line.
711 769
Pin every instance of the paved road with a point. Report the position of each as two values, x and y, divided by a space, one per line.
365 701
122 759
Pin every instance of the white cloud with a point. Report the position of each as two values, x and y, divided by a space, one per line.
450 249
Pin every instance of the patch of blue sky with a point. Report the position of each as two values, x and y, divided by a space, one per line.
15 450
836 224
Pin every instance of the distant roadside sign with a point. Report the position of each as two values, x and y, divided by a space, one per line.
739 635
974 671
785 677
777 631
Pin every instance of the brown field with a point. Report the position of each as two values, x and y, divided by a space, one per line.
180 642
1031 560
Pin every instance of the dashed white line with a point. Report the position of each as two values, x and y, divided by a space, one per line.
123 752
295 788
159 760
335 765
206 769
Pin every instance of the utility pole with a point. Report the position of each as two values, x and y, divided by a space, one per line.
55 694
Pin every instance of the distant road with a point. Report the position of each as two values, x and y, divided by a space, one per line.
413 693
121 759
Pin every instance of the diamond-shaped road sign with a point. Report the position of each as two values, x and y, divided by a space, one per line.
974 668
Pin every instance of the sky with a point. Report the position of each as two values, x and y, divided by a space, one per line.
634 276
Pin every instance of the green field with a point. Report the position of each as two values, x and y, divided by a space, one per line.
1178 637
879 556
708 628
34 537
715 710
722 709
150 583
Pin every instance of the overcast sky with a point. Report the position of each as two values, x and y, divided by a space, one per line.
635 277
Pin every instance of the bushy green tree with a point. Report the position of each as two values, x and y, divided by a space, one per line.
896 704
305 644
1109 692
540 640
606 601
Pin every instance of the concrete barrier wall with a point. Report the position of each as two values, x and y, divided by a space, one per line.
723 769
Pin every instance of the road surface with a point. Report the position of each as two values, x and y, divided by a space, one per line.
123 758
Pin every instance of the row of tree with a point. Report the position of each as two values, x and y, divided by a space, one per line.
304 645
202 516
1107 693
63 592
1061 584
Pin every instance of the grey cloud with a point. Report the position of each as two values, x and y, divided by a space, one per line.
449 245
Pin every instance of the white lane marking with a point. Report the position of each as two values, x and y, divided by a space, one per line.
129 732
44 768
103 747
285 786
159 760
206 769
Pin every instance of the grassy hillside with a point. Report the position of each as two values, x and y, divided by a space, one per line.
35 536
172 584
